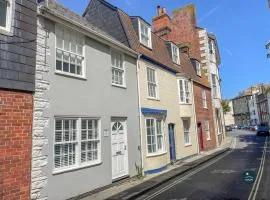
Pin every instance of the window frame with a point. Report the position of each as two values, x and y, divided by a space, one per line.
204 99
185 92
78 164
77 35
155 84
149 32
158 151
198 68
188 132
119 69
214 85
207 130
8 30
177 52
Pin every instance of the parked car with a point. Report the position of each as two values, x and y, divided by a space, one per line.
254 128
263 129
228 128
234 126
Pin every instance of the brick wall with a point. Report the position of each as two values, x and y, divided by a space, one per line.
203 114
15 144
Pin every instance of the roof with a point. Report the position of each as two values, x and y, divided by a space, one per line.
159 50
189 71
54 8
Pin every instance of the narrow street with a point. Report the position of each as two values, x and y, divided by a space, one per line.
223 178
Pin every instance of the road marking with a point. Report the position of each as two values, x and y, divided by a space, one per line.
256 184
192 173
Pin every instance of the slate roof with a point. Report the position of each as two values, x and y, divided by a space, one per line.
58 9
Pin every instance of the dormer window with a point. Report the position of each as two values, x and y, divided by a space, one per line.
175 54
198 68
145 34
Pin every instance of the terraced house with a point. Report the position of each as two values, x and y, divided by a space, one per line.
86 115
17 85
168 124
182 29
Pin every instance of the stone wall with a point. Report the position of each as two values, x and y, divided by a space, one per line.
40 120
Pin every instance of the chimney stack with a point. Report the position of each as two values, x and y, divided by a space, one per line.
161 10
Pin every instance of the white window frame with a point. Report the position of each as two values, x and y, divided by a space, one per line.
214 85
152 83
158 151
186 92
78 164
69 52
204 98
207 130
177 60
7 30
123 70
198 68
149 36
186 132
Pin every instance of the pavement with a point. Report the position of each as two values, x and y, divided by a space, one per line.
136 188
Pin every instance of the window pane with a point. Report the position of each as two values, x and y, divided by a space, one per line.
3 13
66 62
66 41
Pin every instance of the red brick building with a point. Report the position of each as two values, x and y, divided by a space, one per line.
181 29
17 85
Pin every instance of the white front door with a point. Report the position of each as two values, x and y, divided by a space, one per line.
119 149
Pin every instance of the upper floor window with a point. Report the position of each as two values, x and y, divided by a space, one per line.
118 71
145 34
211 47
5 16
152 83
204 100
198 68
69 52
175 54
214 85
184 91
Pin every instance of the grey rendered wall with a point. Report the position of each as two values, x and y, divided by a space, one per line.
18 51
94 97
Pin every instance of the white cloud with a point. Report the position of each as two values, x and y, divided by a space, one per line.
209 13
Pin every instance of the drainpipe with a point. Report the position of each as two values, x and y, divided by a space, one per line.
195 118
140 114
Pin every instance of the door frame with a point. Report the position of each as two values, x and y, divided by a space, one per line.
124 123
172 154
200 136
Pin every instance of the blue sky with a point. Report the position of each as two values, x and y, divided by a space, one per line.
242 28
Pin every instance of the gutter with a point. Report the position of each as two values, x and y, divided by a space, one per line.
140 114
48 13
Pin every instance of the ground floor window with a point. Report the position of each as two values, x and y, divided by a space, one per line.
207 130
186 125
76 142
155 137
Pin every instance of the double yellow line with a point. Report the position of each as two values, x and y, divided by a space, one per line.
254 190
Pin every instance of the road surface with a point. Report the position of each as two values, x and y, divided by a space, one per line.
224 177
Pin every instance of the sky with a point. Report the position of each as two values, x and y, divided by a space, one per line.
242 28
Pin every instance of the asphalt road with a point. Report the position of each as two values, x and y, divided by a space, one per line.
223 178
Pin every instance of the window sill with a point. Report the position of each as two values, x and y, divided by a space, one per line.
208 139
152 98
144 45
74 168
119 86
188 145
5 32
185 103
205 108
70 75
156 154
